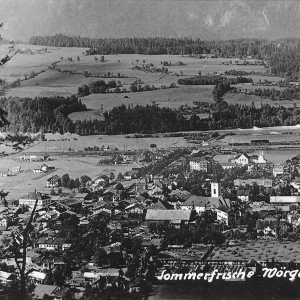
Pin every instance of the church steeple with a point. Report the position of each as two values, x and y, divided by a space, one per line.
215 189
215 185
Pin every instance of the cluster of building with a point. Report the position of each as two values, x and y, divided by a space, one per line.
132 204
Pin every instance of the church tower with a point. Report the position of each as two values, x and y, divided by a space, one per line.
215 184
215 189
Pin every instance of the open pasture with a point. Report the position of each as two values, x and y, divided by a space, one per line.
27 181
22 64
52 82
58 143
173 98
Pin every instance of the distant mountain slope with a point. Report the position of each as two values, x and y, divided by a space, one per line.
224 19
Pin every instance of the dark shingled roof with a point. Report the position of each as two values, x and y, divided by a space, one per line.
168 215
42 289
201 201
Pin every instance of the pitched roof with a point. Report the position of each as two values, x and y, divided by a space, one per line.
42 289
135 205
160 204
200 201
81 195
202 158
71 202
38 275
182 194
224 209
5 275
239 155
35 195
243 193
54 177
61 292
168 215
155 242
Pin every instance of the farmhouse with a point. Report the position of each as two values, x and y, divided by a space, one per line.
241 159
16 169
243 195
50 243
260 159
54 181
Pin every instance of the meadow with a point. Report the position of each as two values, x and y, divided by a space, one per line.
50 82
53 82
27 181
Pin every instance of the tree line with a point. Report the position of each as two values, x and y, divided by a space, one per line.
212 80
282 56
289 93
51 115
97 87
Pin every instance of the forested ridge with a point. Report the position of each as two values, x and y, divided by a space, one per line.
282 56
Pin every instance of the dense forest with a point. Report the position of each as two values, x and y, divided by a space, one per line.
152 119
282 56
46 114
51 115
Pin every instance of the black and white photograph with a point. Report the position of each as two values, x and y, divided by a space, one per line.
149 149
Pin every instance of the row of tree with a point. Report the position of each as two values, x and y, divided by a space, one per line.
96 87
290 93
70 183
211 80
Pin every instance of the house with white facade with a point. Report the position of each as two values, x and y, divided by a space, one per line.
241 159
30 199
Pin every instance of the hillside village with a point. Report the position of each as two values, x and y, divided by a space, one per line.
112 234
